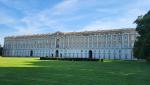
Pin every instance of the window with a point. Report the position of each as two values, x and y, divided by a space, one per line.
57 43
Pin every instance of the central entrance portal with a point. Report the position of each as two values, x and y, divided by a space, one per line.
90 54
57 53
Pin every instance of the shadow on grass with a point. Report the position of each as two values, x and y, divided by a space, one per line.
56 72
55 63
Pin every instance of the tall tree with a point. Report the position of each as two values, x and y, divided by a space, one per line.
1 49
142 44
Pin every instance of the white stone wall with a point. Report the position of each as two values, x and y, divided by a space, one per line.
108 45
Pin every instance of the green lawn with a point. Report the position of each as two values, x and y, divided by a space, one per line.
32 71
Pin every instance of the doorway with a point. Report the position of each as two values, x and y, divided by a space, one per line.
90 54
57 53
31 53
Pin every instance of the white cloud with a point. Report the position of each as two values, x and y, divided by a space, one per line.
6 19
109 24
63 7
46 19
128 16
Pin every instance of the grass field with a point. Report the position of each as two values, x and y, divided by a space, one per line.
32 71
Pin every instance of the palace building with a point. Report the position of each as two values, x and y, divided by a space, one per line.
106 44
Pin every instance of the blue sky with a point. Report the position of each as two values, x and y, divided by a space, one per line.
22 17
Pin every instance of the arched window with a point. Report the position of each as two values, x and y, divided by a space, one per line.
57 43
119 54
109 54
114 54
60 54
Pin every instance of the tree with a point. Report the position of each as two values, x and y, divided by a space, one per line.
1 49
142 44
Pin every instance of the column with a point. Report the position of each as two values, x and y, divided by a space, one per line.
128 41
88 41
92 41
68 41
97 41
106 40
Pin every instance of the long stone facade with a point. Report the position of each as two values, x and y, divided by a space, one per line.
107 44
